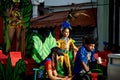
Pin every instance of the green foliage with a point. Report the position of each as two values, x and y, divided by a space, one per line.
2 72
26 12
29 44
8 69
9 73
19 69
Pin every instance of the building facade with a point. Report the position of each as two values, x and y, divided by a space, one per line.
108 22
108 18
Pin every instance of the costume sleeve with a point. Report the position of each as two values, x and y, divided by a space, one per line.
48 65
82 55
73 45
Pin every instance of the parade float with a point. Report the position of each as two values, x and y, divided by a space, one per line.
32 51
14 62
34 47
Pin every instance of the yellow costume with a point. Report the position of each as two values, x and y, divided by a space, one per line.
66 44
15 20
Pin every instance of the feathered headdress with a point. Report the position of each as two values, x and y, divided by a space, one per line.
66 24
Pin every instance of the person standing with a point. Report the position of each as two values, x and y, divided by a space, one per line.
15 23
66 44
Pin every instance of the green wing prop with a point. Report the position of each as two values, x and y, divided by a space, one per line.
42 50
37 49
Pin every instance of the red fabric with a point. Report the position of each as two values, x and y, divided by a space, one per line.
104 57
94 76
48 65
15 56
3 57
96 55
104 54
30 64
104 64
57 33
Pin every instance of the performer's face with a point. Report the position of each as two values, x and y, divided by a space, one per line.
66 32
90 47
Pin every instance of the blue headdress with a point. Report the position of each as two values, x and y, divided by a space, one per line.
66 24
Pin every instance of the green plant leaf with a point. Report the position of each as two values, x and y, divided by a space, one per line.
27 13
1 71
19 69
8 69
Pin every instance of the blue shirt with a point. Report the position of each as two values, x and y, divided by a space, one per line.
82 57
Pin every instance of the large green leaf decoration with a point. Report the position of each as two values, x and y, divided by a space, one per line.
39 50
49 43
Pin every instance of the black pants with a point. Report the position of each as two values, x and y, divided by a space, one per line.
81 76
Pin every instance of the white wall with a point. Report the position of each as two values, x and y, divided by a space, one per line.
103 21
35 4
65 2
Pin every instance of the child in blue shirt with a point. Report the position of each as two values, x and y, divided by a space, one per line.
84 56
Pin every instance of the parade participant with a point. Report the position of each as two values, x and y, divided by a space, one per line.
51 64
66 44
84 56
15 23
